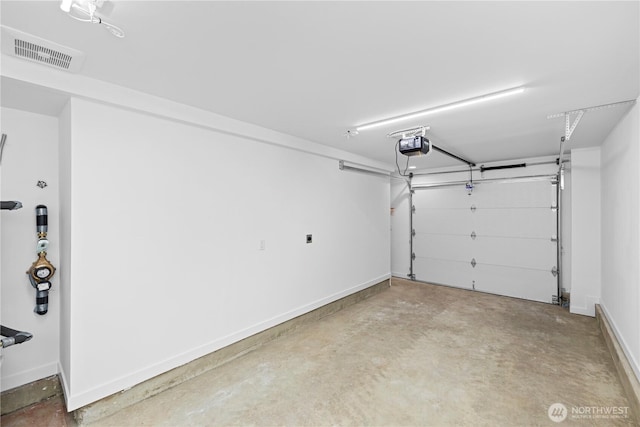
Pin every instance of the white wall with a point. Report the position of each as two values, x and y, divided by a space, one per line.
585 230
621 233
30 155
166 221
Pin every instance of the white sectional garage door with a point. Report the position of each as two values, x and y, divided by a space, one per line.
500 239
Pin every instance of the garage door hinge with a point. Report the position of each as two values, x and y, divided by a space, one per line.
413 255
555 271
473 262
554 238
413 232
413 209
473 235
554 208
473 208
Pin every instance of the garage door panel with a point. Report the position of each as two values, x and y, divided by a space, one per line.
524 253
515 194
446 197
444 272
535 285
537 222
444 221
513 224
443 246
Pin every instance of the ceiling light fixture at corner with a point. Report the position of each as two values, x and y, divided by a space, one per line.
441 108
65 5
85 11
350 133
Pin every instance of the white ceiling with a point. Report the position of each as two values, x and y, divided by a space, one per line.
317 69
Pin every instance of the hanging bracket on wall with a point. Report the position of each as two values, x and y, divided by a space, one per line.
13 336
10 205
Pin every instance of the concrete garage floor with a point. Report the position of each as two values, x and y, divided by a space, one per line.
415 354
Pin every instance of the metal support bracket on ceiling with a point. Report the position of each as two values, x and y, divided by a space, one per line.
406 133
570 127
592 108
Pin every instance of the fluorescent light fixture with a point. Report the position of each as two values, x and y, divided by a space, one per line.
441 108
412 167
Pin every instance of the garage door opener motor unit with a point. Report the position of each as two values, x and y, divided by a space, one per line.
413 142
414 145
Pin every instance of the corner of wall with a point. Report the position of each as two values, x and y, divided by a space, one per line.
620 194
64 223
585 230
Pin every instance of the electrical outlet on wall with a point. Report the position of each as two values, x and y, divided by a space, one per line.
309 238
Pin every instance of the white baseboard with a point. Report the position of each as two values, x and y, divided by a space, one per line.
399 275
64 383
587 308
635 366
83 398
626 365
28 376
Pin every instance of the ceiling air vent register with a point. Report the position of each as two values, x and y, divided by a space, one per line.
35 49
35 52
